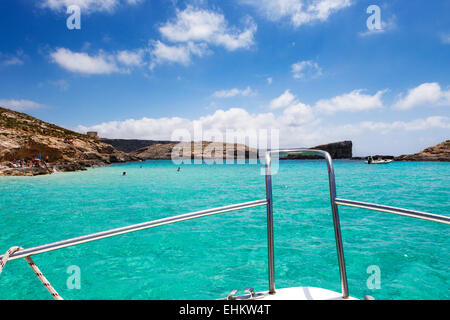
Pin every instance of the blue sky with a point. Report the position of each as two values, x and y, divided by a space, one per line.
310 68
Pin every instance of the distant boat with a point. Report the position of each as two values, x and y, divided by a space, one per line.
381 161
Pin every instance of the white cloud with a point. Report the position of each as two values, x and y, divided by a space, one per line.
297 125
235 119
352 102
12 59
306 69
197 25
191 33
385 128
234 92
298 12
145 128
286 99
297 114
61 84
101 63
83 63
294 111
131 58
294 131
87 6
427 94
20 104
181 53
423 124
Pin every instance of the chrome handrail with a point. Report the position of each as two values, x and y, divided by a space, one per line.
136 227
400 211
334 209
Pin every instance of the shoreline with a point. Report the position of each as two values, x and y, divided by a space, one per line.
83 166
50 168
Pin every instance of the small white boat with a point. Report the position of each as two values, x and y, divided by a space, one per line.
385 161
381 161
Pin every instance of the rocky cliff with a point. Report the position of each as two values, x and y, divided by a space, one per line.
195 150
24 137
129 145
440 152
337 150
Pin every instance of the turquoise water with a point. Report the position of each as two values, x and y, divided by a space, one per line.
208 257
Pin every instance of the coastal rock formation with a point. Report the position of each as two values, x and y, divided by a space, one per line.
337 150
130 145
195 150
440 152
24 137
25 172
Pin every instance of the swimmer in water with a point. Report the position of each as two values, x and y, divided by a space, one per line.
179 169
124 174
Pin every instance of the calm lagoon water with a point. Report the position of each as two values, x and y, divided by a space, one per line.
208 257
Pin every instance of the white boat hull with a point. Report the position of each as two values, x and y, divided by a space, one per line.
305 293
296 293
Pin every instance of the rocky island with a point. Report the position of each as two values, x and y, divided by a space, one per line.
337 150
195 150
130 145
440 152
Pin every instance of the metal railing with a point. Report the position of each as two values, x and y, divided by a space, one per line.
268 202
334 208
394 210
136 227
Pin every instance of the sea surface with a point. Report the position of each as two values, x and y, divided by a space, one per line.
208 257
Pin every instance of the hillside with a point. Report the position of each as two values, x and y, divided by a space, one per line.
24 137
197 150
129 145
440 152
